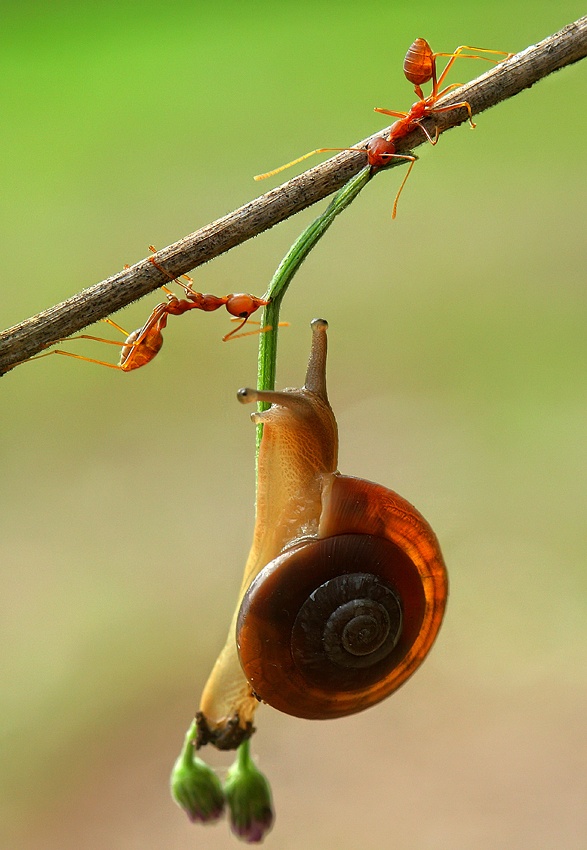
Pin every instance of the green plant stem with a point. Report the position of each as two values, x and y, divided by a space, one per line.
187 751
290 264
244 754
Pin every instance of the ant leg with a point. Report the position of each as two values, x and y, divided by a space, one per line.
389 112
411 160
399 191
458 54
301 159
96 339
233 335
114 325
236 330
432 141
186 287
78 356
462 105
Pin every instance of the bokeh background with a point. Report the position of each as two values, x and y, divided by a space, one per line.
457 372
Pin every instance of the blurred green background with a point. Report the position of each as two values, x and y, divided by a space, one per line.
457 373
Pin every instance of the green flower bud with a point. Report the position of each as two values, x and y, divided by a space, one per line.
195 787
248 796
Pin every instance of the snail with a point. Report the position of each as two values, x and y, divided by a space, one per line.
345 586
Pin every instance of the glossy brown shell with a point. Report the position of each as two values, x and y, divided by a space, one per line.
365 529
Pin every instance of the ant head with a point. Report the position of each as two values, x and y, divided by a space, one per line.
380 151
242 305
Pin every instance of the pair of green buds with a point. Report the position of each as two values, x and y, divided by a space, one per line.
246 794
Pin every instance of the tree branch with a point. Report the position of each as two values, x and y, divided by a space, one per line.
503 81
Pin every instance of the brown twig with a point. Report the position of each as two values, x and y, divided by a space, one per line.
504 81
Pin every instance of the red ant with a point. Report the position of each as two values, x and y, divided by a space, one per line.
143 344
419 68
241 305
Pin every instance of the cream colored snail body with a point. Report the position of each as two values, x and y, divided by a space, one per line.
344 588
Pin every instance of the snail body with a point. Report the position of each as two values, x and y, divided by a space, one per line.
345 585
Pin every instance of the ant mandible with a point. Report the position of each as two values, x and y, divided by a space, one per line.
419 68
143 344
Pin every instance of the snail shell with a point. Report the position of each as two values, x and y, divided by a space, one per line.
344 588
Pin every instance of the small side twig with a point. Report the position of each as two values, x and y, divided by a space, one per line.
507 79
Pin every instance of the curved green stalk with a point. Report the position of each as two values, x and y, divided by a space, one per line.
284 274
289 266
